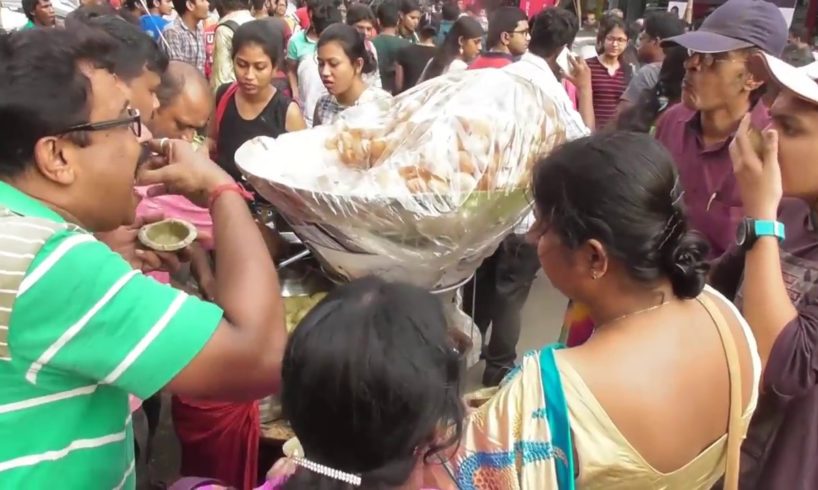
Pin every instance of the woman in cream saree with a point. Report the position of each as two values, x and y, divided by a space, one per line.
520 439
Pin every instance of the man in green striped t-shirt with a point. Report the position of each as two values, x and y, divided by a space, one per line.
79 329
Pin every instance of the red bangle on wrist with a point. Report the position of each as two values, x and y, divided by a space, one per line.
231 187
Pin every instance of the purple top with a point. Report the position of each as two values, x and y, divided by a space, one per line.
706 174
783 434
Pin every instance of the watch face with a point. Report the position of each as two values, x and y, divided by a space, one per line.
741 233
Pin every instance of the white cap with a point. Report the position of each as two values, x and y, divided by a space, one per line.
801 81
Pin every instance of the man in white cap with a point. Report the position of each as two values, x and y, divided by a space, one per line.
777 278
718 90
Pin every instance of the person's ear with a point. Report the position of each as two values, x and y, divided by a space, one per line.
55 157
358 66
505 38
752 82
190 5
596 258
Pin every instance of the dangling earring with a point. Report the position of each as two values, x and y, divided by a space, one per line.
594 275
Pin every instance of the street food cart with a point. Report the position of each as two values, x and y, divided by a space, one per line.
420 188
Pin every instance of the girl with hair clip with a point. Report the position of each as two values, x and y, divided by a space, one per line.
460 47
371 387
343 62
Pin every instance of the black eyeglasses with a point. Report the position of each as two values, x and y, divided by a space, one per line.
524 32
707 60
132 119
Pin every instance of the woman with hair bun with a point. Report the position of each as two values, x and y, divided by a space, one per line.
646 401
343 62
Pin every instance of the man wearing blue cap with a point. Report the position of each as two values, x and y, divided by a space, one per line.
718 90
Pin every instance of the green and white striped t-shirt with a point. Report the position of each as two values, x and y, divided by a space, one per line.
84 331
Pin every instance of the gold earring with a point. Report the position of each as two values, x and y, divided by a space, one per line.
595 275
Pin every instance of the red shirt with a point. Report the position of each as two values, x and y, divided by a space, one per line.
303 17
607 90
491 60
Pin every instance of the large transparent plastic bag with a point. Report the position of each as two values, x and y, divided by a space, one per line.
419 188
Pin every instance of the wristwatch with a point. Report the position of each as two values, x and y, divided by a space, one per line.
750 230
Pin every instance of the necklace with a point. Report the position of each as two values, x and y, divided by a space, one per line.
634 313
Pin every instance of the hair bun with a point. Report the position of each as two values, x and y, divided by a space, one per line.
685 264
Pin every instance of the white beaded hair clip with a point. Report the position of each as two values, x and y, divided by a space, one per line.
354 480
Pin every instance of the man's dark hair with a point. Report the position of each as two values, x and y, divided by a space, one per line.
552 29
450 11
42 88
136 50
504 19
388 14
407 6
235 5
663 25
180 6
28 8
81 16
324 15
358 12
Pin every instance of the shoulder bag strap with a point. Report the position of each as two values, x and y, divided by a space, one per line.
734 427
221 107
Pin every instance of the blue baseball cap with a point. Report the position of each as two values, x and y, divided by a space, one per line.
738 24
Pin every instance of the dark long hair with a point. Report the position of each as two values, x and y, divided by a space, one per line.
258 32
352 42
369 379
622 189
464 27
641 116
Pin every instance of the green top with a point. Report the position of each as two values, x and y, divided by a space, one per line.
300 45
84 331
29 25
387 48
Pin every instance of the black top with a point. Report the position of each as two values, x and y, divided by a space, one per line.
234 130
413 60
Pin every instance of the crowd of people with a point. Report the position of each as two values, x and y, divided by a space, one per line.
678 218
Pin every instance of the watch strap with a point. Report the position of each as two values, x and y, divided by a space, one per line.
762 227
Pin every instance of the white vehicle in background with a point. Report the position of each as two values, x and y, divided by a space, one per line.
12 16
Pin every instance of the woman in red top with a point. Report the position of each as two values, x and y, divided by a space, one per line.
609 74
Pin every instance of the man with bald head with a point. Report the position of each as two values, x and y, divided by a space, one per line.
185 103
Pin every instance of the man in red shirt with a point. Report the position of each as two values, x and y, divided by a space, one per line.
303 14
508 38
